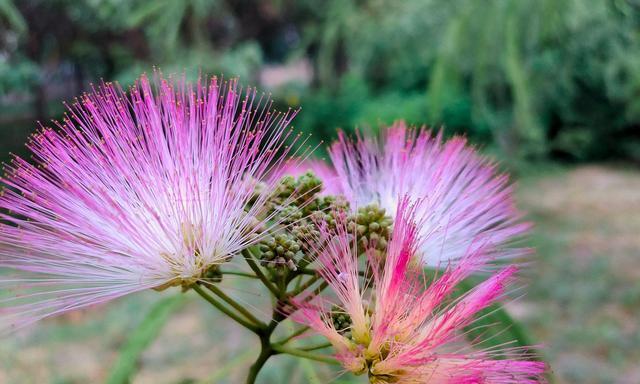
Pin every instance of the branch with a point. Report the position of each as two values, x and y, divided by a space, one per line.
304 354
316 347
237 273
293 335
252 327
248 256
218 292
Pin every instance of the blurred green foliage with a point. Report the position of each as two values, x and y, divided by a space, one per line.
530 78
140 339
538 78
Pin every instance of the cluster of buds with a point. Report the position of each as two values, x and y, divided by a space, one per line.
296 191
325 208
341 321
298 208
372 227
280 252
305 229
290 215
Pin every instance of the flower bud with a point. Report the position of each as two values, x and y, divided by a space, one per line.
280 252
296 192
372 226
341 321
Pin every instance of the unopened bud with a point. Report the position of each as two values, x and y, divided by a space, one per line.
373 227
280 252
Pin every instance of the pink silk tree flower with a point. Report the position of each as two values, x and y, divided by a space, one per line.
464 194
394 327
148 188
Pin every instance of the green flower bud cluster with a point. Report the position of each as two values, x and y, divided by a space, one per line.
255 227
325 208
341 321
292 191
308 186
284 190
321 210
280 252
302 213
258 190
290 214
305 231
298 209
372 226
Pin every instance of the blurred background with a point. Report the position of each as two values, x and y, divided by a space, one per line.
549 87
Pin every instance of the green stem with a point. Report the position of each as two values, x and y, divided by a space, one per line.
304 286
316 292
293 335
267 348
237 273
298 280
304 354
266 351
248 256
316 347
225 310
218 292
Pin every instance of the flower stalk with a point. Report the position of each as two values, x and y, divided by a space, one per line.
240 320
304 354
237 306
245 318
249 258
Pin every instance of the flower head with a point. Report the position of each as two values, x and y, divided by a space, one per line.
464 195
141 189
388 325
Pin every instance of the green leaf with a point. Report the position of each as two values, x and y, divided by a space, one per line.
12 15
310 374
142 337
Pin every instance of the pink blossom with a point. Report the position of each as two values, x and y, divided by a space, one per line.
134 190
465 196
400 330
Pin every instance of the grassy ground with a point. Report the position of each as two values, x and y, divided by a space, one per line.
583 303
